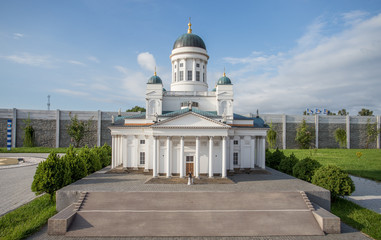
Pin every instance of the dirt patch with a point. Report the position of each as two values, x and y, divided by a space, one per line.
177 180
8 161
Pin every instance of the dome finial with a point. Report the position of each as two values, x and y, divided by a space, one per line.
224 72
189 26
155 71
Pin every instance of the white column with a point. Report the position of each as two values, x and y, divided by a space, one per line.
197 158
263 145
99 128
137 153
194 70
120 147
223 174
252 155
348 128
113 151
232 154
148 154
177 70
57 128
154 162
181 160
241 143
316 131
168 157
210 157
284 131
125 147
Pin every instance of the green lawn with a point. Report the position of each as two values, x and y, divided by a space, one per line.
33 150
368 166
363 219
27 219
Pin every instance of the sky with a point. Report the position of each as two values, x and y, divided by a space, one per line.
281 56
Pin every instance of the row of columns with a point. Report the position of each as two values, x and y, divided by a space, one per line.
185 70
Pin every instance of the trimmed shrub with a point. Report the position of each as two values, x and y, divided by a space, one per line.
51 175
335 180
106 155
102 155
305 169
90 159
76 164
288 163
274 159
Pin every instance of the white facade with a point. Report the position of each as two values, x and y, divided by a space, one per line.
188 129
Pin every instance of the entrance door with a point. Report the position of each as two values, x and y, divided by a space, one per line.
189 165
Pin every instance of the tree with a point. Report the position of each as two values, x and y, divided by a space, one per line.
77 166
271 136
335 180
78 129
341 137
305 169
371 132
343 112
304 135
365 112
136 109
29 133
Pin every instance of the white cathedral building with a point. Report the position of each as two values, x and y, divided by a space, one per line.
188 129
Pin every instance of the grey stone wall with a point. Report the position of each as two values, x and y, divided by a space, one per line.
327 135
90 138
3 132
45 132
105 132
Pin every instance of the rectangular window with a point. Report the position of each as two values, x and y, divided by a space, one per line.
181 75
142 141
142 157
235 142
189 75
203 77
235 158
181 64
197 75
197 65
175 77
189 159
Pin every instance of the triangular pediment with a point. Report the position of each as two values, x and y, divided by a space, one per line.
191 120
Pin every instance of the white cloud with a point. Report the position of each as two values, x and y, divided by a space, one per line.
354 17
29 59
18 35
71 92
76 62
334 72
94 59
132 82
147 61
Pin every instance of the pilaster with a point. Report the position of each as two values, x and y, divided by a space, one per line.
211 157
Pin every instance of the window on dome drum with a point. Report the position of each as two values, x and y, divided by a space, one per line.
203 66
203 77
197 65
181 75
197 75
181 64
235 158
142 157
189 75
235 142
142 141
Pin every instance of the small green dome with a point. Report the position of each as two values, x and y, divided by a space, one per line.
164 90
214 89
224 81
154 80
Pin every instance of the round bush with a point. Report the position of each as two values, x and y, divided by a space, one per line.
274 159
287 164
305 169
335 180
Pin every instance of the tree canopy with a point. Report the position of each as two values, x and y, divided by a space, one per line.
136 109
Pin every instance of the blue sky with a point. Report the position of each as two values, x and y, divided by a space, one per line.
282 56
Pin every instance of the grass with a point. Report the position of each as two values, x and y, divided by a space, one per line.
367 166
33 150
27 219
363 219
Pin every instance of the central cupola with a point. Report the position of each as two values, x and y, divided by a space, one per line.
189 63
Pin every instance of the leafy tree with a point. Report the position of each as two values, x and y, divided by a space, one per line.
371 132
341 137
78 129
136 109
51 175
331 113
286 165
304 135
273 160
365 112
335 180
271 136
90 159
76 165
343 112
305 169
29 133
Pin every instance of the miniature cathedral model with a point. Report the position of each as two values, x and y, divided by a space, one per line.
188 129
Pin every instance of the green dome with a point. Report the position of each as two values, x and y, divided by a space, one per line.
189 40
154 80
214 89
164 90
224 81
